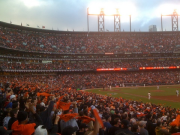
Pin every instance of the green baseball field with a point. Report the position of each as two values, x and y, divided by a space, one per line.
165 95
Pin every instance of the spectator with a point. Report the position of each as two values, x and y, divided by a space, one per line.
7 118
13 114
149 124
4 131
72 122
115 127
160 131
135 129
12 99
69 130
124 128
82 129
107 123
21 127
142 125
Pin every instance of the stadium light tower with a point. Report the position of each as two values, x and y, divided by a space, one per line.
104 12
174 21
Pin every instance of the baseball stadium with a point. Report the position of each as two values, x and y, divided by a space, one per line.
90 83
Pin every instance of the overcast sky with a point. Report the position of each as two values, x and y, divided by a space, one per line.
72 14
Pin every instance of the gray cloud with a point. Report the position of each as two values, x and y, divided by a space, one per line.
72 14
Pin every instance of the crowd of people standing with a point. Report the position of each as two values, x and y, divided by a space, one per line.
50 42
35 108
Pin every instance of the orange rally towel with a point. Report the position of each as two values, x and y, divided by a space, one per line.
85 119
96 114
89 109
175 134
63 105
176 122
67 117
44 94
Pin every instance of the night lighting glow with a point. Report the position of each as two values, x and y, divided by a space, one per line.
124 9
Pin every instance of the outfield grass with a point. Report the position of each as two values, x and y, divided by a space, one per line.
140 94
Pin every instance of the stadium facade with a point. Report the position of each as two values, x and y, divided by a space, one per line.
129 56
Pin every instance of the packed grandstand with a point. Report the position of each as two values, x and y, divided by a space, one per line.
44 75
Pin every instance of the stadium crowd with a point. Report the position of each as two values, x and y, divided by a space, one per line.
31 105
47 104
97 80
50 42
90 65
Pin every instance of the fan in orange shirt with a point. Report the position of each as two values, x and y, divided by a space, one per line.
21 127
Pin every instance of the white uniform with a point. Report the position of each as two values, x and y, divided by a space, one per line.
157 87
177 93
149 95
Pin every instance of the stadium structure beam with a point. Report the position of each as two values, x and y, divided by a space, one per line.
117 22
130 22
174 18
88 19
174 21
161 23
101 21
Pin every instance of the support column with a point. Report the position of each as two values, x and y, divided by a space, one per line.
101 21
